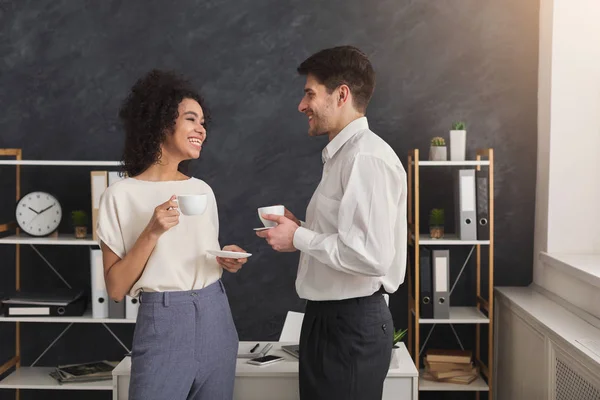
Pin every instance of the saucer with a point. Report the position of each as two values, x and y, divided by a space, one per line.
264 228
228 254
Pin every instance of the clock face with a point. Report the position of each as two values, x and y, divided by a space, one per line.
38 213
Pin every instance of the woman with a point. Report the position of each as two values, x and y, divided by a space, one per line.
185 342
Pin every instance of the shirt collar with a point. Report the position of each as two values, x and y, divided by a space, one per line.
341 138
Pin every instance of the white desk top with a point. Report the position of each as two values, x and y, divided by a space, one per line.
554 317
400 366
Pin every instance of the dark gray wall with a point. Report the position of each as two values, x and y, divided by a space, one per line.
67 65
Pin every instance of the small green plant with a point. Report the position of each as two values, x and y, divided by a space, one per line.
436 217
79 218
459 126
438 141
399 335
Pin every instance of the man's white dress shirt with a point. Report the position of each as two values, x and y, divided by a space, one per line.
354 238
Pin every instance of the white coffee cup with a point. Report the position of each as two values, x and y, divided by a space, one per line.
192 204
274 210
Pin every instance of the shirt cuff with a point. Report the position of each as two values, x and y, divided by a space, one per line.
302 238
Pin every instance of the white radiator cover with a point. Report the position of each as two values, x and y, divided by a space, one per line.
571 380
533 360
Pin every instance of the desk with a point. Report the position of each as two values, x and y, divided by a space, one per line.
279 381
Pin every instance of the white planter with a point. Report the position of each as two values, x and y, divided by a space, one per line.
438 153
458 145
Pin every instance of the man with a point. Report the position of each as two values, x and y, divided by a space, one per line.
353 243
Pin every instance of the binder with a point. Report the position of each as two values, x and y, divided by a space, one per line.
441 284
483 229
49 303
131 307
114 176
464 200
116 309
99 292
99 182
426 284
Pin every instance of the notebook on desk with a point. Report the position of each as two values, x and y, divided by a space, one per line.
293 349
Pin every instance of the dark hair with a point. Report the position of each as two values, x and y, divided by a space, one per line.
148 113
343 65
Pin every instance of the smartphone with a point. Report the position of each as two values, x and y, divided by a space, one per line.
265 360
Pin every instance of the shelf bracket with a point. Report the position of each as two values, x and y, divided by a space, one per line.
426 340
116 338
65 331
462 269
483 302
52 344
457 338
9 364
50 266
8 227
429 335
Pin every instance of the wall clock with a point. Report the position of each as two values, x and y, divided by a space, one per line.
38 213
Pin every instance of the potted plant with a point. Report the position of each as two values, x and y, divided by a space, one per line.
436 223
80 221
398 336
437 150
458 141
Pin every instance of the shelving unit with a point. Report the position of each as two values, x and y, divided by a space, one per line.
480 314
32 377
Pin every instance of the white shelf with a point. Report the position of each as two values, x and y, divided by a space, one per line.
459 315
86 318
452 163
448 239
67 239
38 378
63 163
478 385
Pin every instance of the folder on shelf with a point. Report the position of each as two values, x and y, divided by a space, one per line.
441 283
483 229
99 182
49 303
131 307
114 176
116 309
465 204
426 284
99 292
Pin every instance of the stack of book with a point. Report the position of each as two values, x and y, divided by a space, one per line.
451 366
87 372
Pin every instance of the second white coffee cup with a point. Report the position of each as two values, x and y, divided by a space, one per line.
274 210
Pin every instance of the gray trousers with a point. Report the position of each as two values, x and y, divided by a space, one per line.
184 346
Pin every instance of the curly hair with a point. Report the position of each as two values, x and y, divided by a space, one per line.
149 113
